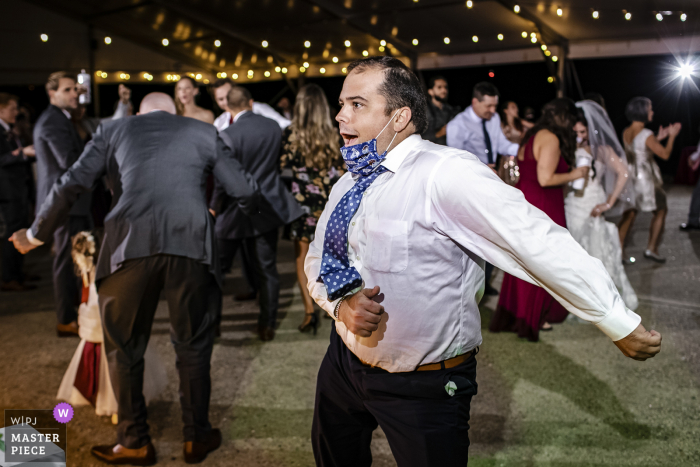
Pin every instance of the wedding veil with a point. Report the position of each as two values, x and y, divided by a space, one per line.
604 147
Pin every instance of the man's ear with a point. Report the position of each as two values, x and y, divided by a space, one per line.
250 103
403 119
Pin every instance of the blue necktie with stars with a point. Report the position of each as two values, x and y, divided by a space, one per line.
336 273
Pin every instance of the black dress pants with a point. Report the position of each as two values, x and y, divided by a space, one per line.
694 213
262 254
66 284
16 215
128 301
424 425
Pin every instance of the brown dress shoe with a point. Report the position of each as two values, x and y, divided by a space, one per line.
196 451
266 333
67 330
16 286
116 454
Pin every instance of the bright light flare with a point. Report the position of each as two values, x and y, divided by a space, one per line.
686 70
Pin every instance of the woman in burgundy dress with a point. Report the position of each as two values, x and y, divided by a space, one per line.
546 153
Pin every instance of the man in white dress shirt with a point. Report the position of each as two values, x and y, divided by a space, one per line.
402 353
221 88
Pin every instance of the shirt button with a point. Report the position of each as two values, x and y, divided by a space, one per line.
353 223
357 257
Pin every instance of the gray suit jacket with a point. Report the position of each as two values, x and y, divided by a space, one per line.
157 165
15 171
256 142
57 147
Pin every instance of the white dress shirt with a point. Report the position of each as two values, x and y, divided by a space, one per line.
223 121
465 132
422 233
5 125
694 156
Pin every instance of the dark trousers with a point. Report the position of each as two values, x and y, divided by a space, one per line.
227 254
694 214
16 213
424 425
128 302
262 255
488 272
65 282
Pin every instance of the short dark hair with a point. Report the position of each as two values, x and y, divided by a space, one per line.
222 82
238 97
434 79
401 88
5 99
595 97
484 89
637 109
55 78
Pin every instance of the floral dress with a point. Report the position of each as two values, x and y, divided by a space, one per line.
310 187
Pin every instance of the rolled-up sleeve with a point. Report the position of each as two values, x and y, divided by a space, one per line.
472 206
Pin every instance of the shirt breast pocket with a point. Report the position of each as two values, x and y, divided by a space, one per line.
387 245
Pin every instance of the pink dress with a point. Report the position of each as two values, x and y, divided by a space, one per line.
523 307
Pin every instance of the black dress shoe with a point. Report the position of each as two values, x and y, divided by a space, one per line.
116 454
266 333
196 451
688 227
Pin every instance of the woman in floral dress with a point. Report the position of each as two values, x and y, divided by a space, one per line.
311 149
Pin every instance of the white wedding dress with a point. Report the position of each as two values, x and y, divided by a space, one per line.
597 236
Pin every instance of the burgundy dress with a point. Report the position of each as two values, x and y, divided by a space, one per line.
523 307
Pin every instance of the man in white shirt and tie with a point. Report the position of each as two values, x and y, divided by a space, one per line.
397 264
221 88
478 130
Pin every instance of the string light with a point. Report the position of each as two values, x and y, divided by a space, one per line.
516 9
595 14
277 69
103 75
302 69
284 70
205 81
165 42
446 40
234 76
108 40
306 65
267 74
524 34
414 41
550 79
344 70
381 48
198 76
554 58
217 43
348 43
44 37
307 44
628 16
322 70
335 60
560 12
500 37
684 17
544 47
470 4
124 76
533 39
382 43
533 34
659 17
265 44
547 53
148 76
365 53
475 38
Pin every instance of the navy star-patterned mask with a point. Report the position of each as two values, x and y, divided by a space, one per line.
363 158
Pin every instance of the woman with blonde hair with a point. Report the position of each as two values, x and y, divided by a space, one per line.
311 149
186 90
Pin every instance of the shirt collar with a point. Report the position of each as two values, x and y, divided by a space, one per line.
5 125
66 113
238 115
472 115
397 155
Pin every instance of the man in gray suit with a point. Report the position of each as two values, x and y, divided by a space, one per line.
57 147
256 142
159 238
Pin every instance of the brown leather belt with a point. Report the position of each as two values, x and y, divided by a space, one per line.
449 363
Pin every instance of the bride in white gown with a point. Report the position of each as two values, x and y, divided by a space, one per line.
605 191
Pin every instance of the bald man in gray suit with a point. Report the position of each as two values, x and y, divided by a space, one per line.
159 237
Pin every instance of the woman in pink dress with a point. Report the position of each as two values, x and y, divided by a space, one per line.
546 153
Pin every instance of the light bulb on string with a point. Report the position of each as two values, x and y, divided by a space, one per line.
628 16
446 40
500 37
516 9
217 43
264 44
414 41
560 12
524 34
684 17
108 40
475 38
382 43
348 43
659 17
322 70
306 65
470 4
335 60
165 42
44 37
595 14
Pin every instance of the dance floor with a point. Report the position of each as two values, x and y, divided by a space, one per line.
570 400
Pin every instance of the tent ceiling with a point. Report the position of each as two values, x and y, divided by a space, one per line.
193 26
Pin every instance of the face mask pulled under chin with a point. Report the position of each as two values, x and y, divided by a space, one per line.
362 158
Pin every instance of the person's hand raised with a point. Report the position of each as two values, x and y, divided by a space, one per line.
674 129
360 314
124 94
663 132
640 344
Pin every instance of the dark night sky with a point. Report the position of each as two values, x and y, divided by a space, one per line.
617 79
